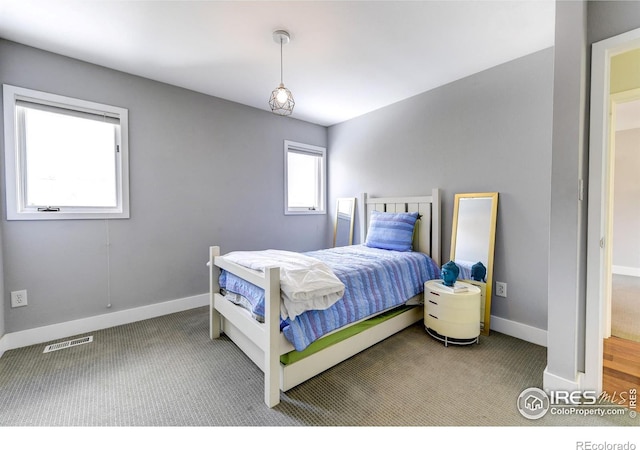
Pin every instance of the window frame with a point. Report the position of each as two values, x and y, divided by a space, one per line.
313 150
15 168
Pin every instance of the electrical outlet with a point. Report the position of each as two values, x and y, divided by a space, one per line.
501 289
18 298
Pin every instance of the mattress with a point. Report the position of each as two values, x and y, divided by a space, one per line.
375 280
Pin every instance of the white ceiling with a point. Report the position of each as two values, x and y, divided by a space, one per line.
345 58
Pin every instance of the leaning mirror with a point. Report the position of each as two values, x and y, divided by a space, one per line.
343 228
473 242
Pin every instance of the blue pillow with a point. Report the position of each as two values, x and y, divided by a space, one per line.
391 231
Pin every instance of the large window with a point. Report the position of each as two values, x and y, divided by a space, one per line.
304 178
64 158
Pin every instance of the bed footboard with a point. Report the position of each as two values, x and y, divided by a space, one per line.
263 338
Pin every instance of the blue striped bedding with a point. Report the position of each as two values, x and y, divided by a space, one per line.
375 280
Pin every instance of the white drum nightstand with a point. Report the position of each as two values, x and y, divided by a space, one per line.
452 317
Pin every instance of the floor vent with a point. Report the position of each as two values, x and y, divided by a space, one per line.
67 344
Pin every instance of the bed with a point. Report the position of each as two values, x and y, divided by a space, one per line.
266 336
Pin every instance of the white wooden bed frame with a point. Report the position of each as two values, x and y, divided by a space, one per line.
263 343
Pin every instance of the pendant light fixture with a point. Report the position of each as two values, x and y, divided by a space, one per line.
281 100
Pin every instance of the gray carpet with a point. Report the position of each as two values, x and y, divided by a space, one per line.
625 307
167 372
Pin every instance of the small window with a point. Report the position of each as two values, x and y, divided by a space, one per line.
64 158
304 178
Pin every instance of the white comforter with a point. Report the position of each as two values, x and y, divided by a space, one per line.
305 283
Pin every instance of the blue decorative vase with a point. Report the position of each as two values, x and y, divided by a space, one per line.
478 272
449 273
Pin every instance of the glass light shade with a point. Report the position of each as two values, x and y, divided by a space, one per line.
281 101
282 96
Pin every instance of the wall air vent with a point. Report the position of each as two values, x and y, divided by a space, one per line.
67 344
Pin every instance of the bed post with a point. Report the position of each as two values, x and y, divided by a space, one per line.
362 216
214 316
436 236
272 330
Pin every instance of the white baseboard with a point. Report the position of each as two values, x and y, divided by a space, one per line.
3 345
519 330
623 270
552 382
61 330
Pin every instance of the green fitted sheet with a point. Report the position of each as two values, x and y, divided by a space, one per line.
327 341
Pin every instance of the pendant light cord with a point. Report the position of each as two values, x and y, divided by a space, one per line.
281 60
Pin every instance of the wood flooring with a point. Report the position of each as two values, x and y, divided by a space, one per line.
621 371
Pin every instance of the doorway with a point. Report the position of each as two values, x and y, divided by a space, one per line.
621 357
600 236
623 307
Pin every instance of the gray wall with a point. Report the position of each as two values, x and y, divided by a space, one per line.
204 171
567 236
488 132
610 18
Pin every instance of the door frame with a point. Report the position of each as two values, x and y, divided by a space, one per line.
599 203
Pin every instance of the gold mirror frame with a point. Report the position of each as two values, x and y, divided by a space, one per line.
345 218
467 221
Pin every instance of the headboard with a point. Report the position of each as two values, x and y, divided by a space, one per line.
427 238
